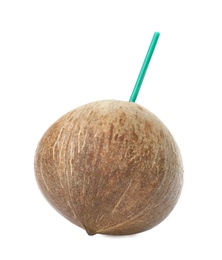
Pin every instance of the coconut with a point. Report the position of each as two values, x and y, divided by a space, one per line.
110 167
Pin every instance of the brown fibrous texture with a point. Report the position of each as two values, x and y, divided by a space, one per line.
110 167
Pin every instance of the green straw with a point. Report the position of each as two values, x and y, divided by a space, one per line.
144 67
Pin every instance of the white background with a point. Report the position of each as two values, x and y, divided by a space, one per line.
58 55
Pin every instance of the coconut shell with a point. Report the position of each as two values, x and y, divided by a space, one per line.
110 167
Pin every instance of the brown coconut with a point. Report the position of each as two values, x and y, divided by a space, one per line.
110 167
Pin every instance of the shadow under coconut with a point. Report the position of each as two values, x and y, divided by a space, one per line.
119 236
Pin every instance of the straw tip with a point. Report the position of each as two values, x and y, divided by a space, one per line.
157 34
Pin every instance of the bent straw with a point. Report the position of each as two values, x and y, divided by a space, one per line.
144 67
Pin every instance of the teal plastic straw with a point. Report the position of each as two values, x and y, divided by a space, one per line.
144 67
